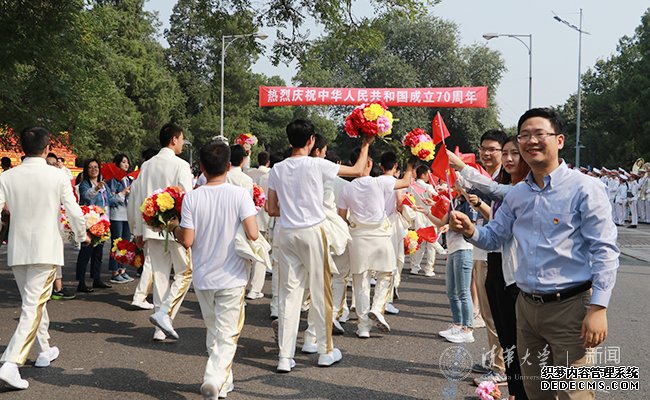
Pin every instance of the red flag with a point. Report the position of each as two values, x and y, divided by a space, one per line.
111 171
469 158
433 180
441 208
480 169
428 234
407 201
439 129
418 189
134 174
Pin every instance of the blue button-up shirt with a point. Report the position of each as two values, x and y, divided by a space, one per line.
565 233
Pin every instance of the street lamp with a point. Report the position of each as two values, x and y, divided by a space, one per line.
580 32
191 146
529 47
224 47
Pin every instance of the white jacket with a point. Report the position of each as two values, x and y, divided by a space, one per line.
162 170
33 193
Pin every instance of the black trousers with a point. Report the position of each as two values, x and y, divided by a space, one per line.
94 255
502 300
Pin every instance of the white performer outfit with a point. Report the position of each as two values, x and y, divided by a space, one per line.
371 248
303 254
620 202
33 193
633 199
163 170
219 274
421 221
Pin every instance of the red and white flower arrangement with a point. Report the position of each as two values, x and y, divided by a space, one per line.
246 139
370 119
127 252
259 198
411 242
488 390
420 143
98 226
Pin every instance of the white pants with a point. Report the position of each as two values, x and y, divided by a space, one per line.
256 280
302 262
223 315
35 285
416 258
647 210
166 298
621 213
641 205
146 281
340 284
634 215
361 285
275 308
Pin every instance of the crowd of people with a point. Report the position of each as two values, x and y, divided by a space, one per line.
530 246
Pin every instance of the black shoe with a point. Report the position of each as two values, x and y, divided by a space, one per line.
480 369
67 294
632 226
84 289
101 285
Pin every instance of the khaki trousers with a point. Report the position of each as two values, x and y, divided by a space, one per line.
145 283
223 315
258 275
418 256
495 351
35 285
303 262
552 330
361 286
166 298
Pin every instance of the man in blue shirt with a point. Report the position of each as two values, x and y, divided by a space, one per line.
563 225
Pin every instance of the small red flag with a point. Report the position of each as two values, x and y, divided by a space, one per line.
439 129
441 164
428 234
469 158
480 169
111 171
407 201
418 189
441 208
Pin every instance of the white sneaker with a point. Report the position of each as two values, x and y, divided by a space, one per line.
451 330
461 337
429 273
254 295
362 334
163 322
345 316
144 305
479 322
326 360
310 346
414 272
45 358
391 309
337 327
285 364
10 375
159 335
380 321
223 393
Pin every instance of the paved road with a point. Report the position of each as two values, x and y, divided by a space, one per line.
107 351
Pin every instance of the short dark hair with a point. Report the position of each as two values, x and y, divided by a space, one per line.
86 176
275 158
119 157
320 142
299 131
556 120
354 155
214 157
52 155
34 140
237 154
333 156
148 153
421 170
263 158
388 160
6 161
169 131
495 134
60 159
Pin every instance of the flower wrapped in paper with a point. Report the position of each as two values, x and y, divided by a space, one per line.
411 242
370 119
162 207
259 198
488 390
420 143
127 252
246 139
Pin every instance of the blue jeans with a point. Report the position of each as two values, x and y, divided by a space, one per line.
459 279
119 229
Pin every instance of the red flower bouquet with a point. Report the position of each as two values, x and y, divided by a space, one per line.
370 119
127 253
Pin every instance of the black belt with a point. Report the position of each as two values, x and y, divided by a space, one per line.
557 296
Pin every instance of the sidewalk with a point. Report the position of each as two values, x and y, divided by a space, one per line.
635 243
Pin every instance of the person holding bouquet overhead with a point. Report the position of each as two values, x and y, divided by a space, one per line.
93 191
120 188
33 192
161 171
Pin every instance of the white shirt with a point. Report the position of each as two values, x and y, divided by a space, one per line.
33 193
391 201
333 191
298 181
237 177
215 212
366 199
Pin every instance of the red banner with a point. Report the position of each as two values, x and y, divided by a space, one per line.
458 97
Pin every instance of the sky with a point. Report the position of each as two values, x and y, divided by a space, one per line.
554 45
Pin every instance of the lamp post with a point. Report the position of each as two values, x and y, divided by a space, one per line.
529 47
231 39
580 32
191 150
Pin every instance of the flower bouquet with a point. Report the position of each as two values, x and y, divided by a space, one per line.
98 225
411 242
420 143
126 252
246 139
488 390
162 207
259 198
370 119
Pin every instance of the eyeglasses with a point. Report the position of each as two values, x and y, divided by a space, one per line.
539 136
488 150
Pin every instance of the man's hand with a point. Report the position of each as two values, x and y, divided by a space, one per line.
367 140
428 201
443 229
594 326
139 241
455 162
460 222
473 199
87 240
247 149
